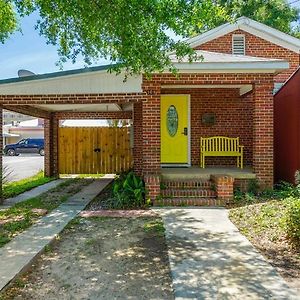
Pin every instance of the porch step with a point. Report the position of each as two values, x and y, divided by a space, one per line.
188 202
190 193
186 184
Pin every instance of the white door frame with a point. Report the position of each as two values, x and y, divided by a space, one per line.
188 164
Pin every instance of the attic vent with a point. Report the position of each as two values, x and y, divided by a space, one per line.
238 44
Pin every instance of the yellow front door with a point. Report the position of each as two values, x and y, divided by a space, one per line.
174 129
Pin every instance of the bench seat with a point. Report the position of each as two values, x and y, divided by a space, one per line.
221 146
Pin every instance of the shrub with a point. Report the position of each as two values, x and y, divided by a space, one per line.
291 218
129 191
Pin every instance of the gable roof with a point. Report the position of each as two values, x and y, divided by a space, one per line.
253 27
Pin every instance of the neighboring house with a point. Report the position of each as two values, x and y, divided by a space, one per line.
229 93
33 128
287 129
10 117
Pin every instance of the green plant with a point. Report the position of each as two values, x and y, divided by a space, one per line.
129 191
253 186
155 226
15 188
291 219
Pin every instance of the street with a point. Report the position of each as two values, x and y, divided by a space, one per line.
22 166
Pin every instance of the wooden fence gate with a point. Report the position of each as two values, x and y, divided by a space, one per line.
94 150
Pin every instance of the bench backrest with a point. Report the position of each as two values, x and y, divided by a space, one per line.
220 144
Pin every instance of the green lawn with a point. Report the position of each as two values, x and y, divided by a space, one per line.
15 188
22 215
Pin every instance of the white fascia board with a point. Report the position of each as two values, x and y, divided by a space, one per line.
84 83
259 67
253 27
211 34
272 38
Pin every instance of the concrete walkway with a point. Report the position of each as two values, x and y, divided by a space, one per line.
210 259
31 193
19 253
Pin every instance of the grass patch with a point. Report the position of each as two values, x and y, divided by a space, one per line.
156 227
260 220
265 225
15 188
21 216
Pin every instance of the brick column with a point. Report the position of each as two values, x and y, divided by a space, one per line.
1 151
152 183
224 187
138 137
151 134
51 146
263 133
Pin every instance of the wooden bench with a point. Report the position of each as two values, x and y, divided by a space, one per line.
221 146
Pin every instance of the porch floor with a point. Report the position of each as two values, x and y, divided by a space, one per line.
196 172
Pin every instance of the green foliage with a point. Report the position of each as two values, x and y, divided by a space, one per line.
155 226
20 216
253 186
291 219
133 34
8 23
275 13
18 187
128 191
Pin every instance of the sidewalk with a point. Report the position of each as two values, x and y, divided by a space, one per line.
211 259
31 193
19 253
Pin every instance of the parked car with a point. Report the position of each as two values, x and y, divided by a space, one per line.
25 146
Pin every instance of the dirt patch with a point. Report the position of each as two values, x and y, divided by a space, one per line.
101 258
132 213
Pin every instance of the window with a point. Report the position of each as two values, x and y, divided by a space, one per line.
238 44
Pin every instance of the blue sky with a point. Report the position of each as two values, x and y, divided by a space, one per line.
28 50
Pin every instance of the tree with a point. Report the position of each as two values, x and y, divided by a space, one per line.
135 34
131 33
275 13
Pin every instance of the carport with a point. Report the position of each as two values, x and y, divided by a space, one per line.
90 93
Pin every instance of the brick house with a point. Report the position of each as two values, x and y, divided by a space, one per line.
233 86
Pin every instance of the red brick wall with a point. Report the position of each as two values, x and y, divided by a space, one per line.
262 108
255 46
138 137
70 99
51 146
94 115
233 119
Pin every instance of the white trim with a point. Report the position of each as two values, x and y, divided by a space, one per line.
244 88
189 159
232 43
253 27
256 66
99 82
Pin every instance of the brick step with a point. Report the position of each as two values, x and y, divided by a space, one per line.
188 202
188 193
186 184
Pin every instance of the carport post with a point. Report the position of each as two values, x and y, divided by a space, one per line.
51 150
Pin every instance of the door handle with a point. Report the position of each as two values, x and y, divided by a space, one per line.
185 131
97 150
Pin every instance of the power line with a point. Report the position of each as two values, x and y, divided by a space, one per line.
295 1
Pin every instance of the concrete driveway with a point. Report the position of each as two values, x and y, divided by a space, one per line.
23 166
